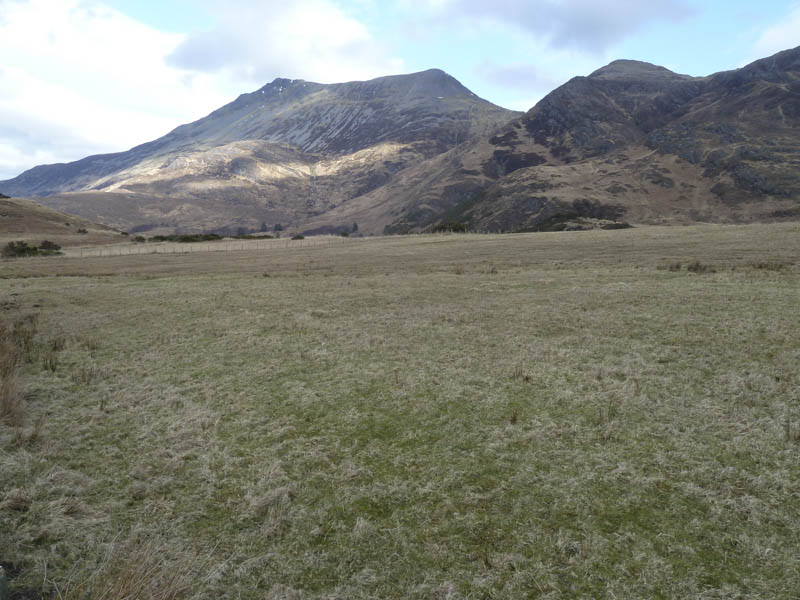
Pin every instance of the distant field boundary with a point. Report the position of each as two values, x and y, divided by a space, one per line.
213 246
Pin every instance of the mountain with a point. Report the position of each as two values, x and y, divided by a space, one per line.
631 142
285 153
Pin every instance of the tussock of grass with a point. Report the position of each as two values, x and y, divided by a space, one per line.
10 394
133 569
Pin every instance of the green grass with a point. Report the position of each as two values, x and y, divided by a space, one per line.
554 415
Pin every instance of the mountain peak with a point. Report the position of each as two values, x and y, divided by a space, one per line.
432 83
634 69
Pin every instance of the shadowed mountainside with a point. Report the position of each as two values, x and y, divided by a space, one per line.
632 141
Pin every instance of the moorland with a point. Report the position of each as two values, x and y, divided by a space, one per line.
555 415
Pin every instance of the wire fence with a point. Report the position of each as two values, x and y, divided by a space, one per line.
213 246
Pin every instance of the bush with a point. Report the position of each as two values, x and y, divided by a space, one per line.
698 267
82 230
16 249
19 249
185 238
770 265
48 247
298 236
449 227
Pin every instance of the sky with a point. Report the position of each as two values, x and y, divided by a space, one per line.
82 77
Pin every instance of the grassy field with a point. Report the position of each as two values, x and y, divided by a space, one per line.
602 414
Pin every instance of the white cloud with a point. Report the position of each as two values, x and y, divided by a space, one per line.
77 77
781 36
255 41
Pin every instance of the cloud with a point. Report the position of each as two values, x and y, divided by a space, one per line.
585 25
518 76
256 41
77 77
781 36
525 84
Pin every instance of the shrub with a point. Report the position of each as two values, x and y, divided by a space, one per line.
184 238
697 267
616 225
298 236
48 248
20 249
771 265
82 230
449 227
17 249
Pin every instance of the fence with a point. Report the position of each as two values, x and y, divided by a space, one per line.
214 246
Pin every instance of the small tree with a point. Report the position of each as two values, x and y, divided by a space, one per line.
14 249
21 248
355 227
48 247
263 227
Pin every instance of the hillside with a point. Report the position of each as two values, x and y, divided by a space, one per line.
282 154
630 143
30 222
633 142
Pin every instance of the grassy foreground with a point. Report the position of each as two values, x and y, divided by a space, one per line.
547 415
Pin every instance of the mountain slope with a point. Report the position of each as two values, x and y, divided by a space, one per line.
632 141
286 152
27 221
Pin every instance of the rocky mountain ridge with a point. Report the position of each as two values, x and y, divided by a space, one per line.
631 142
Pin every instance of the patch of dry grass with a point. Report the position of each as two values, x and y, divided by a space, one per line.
132 569
490 416
10 395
